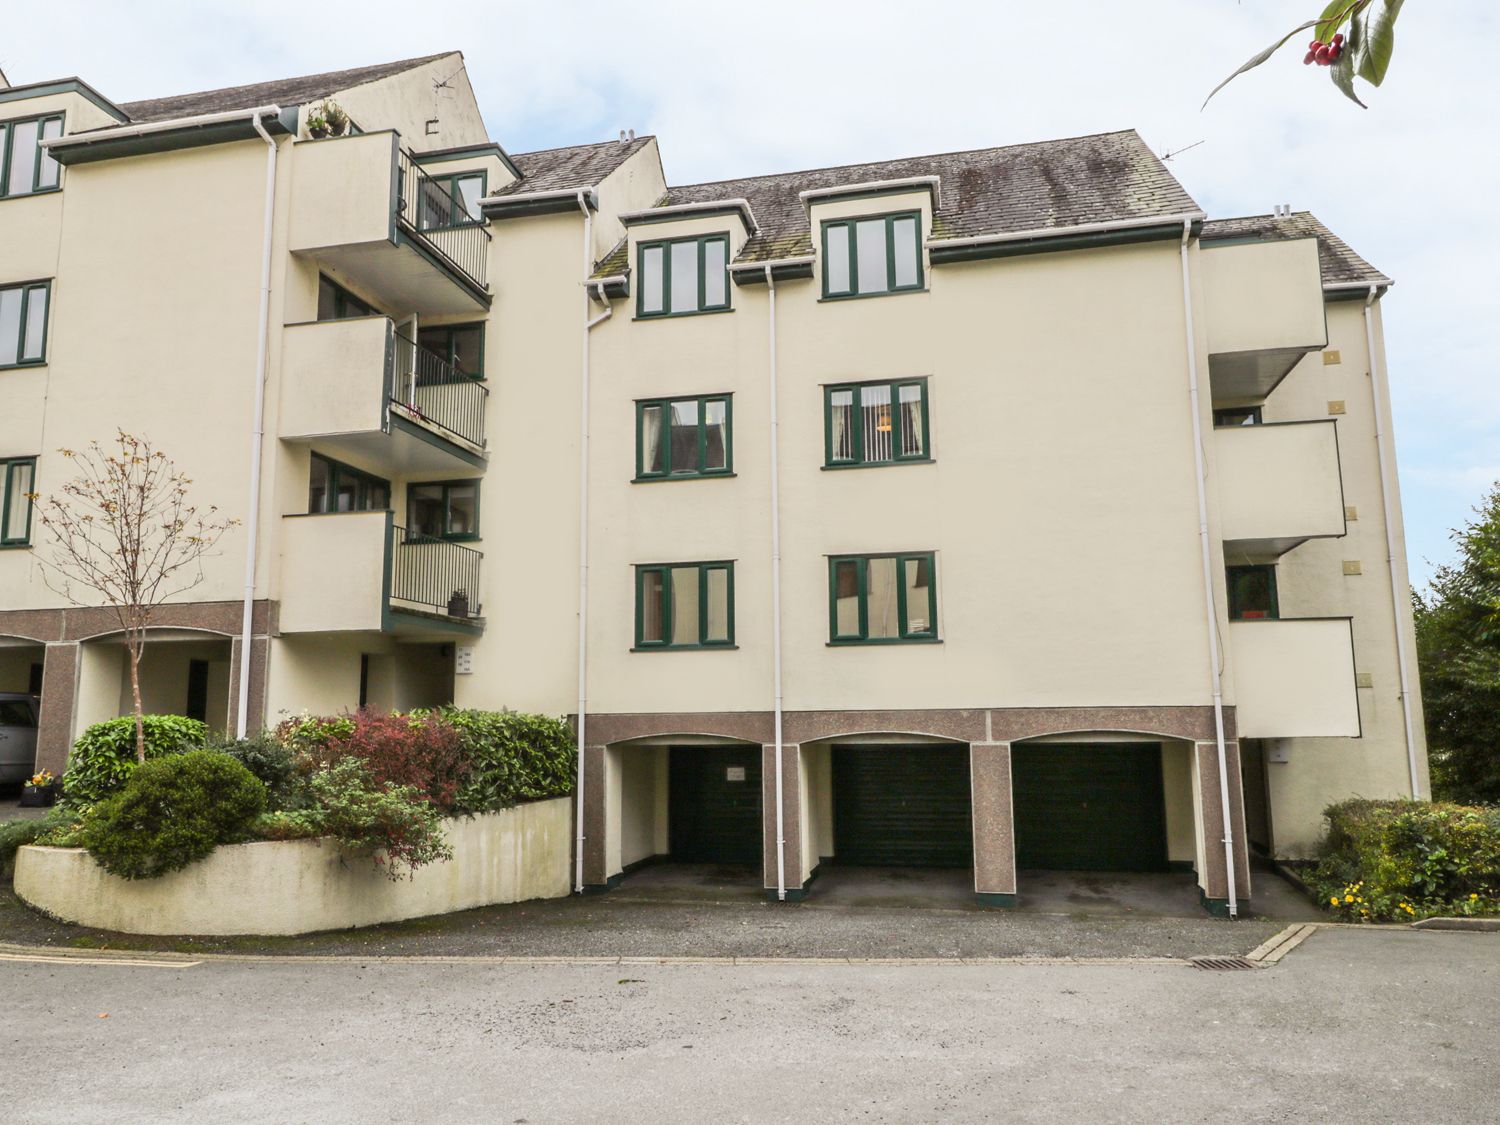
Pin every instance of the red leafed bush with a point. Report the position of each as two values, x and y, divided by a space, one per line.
420 751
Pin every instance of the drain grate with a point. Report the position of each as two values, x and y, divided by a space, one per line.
1221 964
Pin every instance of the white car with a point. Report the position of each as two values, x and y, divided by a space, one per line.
18 714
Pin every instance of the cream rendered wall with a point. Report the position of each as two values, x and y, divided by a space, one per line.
406 101
317 673
101 672
164 679
1311 583
636 184
15 666
643 803
1177 788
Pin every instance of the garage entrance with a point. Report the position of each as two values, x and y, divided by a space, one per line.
714 802
902 806
1089 807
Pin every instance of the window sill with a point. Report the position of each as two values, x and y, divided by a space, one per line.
883 464
886 641
22 364
871 296
680 315
31 194
684 648
682 477
16 546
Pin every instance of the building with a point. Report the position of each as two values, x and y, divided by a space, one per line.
1078 543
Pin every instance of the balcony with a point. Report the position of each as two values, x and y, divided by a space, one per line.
1279 485
1294 678
361 205
1264 306
359 387
361 572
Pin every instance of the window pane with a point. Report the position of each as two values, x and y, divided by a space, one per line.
346 494
651 279
467 355
685 436
836 260
685 605
916 574
904 236
18 506
841 425
23 138
317 489
684 276
424 509
651 444
909 414
881 596
463 509
715 279
377 496
718 604
36 323
1252 593
869 256
846 598
468 192
10 325
652 604
716 434
876 410
48 173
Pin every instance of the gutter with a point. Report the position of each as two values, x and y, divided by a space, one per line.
1187 217
687 210
1216 669
932 183
552 200
122 132
1388 507
258 429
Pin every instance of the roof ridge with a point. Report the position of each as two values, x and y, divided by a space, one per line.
395 66
586 144
902 159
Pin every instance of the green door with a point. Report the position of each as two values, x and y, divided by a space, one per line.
714 804
902 807
1095 807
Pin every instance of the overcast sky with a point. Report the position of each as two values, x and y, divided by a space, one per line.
770 86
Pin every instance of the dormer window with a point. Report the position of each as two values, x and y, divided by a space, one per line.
451 201
25 167
683 276
869 257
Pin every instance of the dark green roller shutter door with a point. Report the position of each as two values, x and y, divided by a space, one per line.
906 807
1089 807
714 804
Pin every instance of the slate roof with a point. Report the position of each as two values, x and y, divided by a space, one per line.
557 169
283 92
1339 262
1043 184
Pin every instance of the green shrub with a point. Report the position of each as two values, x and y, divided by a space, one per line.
1399 860
16 834
394 825
512 758
316 736
172 812
280 769
104 757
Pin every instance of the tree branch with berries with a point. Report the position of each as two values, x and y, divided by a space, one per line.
1352 38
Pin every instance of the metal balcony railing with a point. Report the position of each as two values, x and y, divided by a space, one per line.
436 574
438 217
437 392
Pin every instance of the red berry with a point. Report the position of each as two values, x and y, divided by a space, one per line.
1315 44
1338 40
1323 55
1310 59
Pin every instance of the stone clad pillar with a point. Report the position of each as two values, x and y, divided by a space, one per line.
1213 885
260 655
994 824
791 788
595 804
54 736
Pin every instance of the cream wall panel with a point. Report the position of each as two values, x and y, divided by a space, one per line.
333 572
1263 295
344 191
406 102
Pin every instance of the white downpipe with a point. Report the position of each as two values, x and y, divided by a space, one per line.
1206 547
583 526
258 432
776 590
1388 508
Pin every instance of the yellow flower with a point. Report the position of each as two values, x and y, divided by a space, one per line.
1334 900
1473 897
1348 898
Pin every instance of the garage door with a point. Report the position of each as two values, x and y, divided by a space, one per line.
902 807
714 804
1089 807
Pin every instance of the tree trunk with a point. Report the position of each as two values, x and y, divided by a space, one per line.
135 691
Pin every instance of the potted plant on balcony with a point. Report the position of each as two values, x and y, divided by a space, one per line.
458 604
317 124
338 120
40 792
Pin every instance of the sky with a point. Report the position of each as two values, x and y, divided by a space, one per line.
736 90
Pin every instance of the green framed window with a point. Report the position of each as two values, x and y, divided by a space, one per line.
869 257
882 599
18 480
23 323
683 276
1238 416
1252 593
881 423
679 438
684 605
451 201
25 167
443 509
461 345
336 487
337 303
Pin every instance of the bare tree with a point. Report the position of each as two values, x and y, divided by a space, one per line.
126 532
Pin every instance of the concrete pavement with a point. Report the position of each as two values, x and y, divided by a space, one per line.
1368 1025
